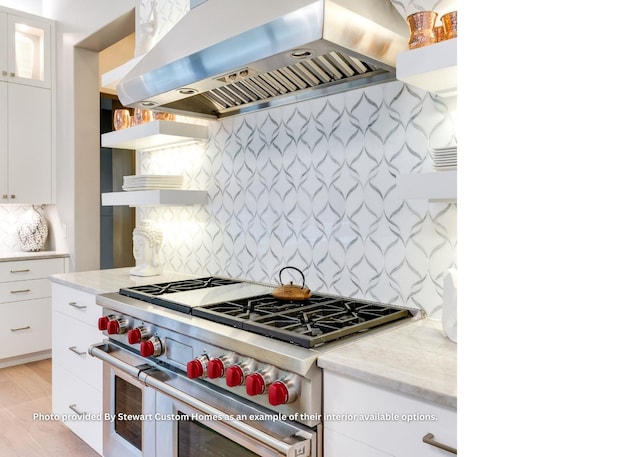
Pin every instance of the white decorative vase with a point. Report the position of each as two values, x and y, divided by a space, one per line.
32 231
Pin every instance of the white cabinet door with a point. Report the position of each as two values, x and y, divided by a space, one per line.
25 327
4 69
29 144
29 50
79 405
361 416
19 291
23 270
3 141
77 377
26 56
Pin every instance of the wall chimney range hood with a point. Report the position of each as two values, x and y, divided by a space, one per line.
229 57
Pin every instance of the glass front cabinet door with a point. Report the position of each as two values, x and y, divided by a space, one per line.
26 58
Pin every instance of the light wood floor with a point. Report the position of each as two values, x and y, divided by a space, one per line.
25 390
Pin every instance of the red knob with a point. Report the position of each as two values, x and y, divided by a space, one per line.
278 393
194 369
255 384
135 336
102 322
147 348
215 368
113 327
235 376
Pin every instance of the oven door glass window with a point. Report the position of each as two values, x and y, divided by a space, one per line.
197 440
128 407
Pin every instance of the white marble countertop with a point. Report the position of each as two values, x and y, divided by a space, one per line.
8 256
415 359
104 281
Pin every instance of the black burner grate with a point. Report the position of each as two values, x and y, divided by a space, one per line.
150 293
307 323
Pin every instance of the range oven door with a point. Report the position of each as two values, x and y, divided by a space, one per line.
191 419
127 404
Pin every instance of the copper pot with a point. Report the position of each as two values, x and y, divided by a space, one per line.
291 291
421 25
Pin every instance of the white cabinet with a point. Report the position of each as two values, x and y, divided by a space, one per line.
76 376
363 419
25 307
27 53
26 155
26 109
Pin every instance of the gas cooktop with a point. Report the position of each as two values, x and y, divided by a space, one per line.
251 307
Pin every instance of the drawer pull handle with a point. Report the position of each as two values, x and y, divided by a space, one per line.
21 328
76 306
21 271
429 439
75 409
74 349
23 291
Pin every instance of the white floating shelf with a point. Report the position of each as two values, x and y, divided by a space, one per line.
435 186
154 135
433 68
110 79
155 197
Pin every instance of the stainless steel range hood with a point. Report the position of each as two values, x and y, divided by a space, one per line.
228 57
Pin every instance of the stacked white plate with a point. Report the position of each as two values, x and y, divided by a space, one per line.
444 158
148 182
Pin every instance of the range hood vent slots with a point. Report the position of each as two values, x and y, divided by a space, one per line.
242 91
311 48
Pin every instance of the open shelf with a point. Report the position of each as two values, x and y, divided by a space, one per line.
435 186
433 68
110 79
155 134
155 197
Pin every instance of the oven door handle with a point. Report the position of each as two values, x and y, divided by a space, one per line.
299 448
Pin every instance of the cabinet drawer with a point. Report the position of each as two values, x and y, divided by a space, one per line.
20 270
338 445
385 420
71 393
24 290
25 327
70 341
75 303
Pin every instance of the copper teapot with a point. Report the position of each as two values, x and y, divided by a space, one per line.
291 291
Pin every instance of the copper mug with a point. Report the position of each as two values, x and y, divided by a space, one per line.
421 25
140 116
121 119
450 24
438 31
162 116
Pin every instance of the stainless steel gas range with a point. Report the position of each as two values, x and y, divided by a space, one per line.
219 366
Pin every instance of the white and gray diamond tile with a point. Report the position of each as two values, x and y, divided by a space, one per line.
313 185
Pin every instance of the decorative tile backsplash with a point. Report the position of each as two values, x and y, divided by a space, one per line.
314 185
9 216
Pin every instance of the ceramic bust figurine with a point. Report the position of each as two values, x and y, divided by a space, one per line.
147 239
